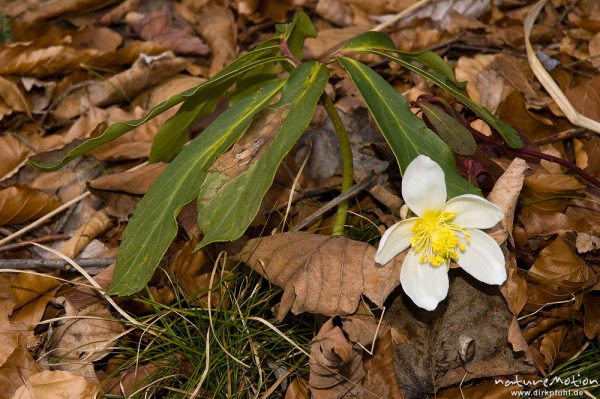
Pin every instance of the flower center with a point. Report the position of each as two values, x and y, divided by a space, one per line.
437 239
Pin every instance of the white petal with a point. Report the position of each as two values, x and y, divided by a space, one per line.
423 185
395 240
474 212
426 285
483 259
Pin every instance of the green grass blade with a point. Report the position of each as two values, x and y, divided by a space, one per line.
406 134
153 226
228 204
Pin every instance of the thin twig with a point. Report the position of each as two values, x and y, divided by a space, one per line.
17 245
355 190
43 219
41 263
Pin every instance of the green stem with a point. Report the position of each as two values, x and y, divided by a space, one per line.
347 169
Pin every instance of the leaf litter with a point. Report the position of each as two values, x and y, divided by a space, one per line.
69 71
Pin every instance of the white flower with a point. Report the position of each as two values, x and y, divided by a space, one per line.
441 232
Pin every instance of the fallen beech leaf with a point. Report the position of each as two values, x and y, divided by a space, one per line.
19 204
127 381
591 321
321 274
135 182
558 262
328 39
505 194
488 389
217 26
18 367
92 228
540 190
586 242
12 95
157 27
551 344
514 288
39 59
586 98
341 368
146 71
13 154
298 389
56 384
55 8
74 343
485 86
463 339
547 224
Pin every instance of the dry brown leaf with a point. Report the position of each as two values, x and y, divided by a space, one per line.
514 111
37 59
487 389
505 194
146 71
558 262
321 274
328 39
18 367
135 182
13 96
541 190
127 381
586 98
591 321
551 344
298 389
56 384
485 86
545 225
464 338
55 8
514 288
13 154
156 26
74 342
93 227
20 204
216 24
340 367
586 242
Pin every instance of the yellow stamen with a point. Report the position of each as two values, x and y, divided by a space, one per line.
437 239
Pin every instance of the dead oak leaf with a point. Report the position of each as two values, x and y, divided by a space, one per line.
56 384
320 274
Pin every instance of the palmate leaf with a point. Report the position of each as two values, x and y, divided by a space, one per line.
154 225
234 188
406 134
442 75
207 90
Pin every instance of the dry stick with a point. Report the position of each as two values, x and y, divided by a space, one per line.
363 185
41 263
44 218
402 14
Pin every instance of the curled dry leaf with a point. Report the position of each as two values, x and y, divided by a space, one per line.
157 27
146 71
551 344
13 96
20 204
13 154
505 194
18 367
320 274
56 384
92 228
341 368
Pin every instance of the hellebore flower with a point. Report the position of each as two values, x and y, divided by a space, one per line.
441 232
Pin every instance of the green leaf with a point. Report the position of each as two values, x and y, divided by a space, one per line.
173 134
508 133
232 193
153 225
219 83
406 134
455 134
300 29
371 41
